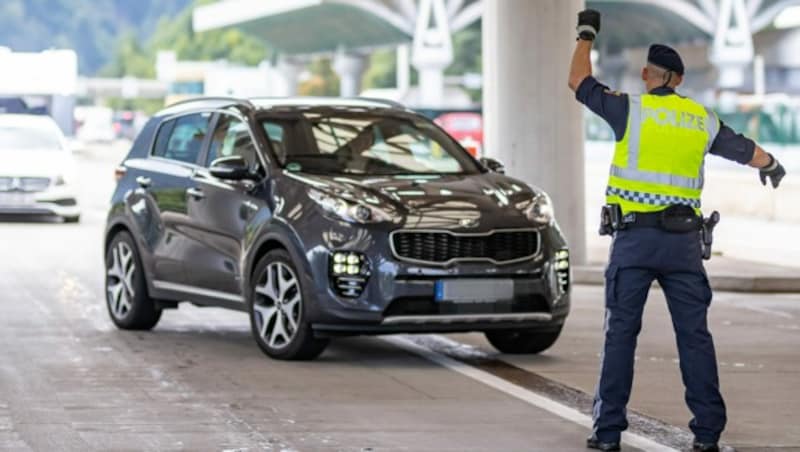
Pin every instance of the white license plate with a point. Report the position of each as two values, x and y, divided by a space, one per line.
474 290
16 199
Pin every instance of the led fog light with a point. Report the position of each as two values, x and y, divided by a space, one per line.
349 273
561 264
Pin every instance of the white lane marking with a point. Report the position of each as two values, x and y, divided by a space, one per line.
563 411
768 311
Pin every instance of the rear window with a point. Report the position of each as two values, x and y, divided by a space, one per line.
182 139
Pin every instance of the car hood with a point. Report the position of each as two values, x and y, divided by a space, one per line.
36 163
480 201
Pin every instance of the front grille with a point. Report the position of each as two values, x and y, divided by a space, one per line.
34 183
444 247
26 184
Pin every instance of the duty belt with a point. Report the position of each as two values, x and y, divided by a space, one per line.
677 219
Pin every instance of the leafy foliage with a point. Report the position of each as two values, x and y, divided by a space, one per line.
382 69
323 80
89 27
176 34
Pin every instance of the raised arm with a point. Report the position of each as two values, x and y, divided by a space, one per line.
581 67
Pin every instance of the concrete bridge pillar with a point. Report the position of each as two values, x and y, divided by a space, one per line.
532 122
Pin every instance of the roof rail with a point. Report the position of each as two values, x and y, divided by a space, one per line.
392 103
235 100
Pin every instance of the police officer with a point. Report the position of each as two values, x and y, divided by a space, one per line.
654 188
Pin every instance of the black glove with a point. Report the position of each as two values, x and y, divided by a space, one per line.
774 171
588 24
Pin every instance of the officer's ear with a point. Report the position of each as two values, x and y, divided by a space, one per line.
679 80
644 74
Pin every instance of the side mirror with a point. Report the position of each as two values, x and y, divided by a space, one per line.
232 168
493 165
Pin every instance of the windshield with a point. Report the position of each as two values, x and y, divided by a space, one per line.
14 138
364 142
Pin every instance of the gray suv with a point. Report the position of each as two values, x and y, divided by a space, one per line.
329 217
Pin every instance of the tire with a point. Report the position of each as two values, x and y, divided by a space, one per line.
277 306
72 219
128 303
518 342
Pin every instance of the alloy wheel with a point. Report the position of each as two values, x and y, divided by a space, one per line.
277 305
119 280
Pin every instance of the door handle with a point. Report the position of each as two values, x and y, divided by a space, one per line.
195 193
144 182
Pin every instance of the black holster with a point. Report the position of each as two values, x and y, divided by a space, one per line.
610 219
707 233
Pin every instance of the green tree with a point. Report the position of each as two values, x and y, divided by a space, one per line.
323 80
467 55
231 44
90 27
177 34
130 59
382 69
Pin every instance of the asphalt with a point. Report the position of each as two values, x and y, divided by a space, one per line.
70 381
724 274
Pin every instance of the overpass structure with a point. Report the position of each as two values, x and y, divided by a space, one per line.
531 121
724 30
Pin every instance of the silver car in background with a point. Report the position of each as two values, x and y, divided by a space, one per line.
38 172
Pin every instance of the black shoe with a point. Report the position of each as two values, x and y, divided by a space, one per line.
594 443
697 446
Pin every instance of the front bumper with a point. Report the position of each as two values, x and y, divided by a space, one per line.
56 201
400 296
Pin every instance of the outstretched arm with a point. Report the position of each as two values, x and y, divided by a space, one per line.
761 158
769 167
734 146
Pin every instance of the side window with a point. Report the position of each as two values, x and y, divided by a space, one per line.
160 148
231 137
278 138
284 137
181 139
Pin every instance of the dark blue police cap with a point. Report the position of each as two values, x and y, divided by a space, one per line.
666 57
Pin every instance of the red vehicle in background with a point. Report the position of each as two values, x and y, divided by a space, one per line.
466 127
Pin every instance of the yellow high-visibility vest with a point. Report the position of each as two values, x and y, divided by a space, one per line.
660 160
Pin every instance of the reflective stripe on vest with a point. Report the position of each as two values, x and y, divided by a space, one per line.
661 159
651 199
709 123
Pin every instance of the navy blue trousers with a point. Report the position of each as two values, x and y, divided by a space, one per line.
638 257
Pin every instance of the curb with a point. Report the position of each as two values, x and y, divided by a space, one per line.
594 275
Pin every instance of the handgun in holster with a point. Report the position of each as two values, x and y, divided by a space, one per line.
611 219
707 233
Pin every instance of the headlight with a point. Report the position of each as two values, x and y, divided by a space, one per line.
540 209
352 212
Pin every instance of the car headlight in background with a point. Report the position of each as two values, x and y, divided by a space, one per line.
352 212
540 209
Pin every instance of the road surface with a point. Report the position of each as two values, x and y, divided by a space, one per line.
70 381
